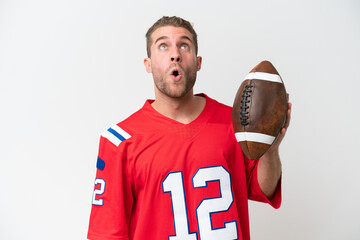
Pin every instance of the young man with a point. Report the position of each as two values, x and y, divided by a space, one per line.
174 170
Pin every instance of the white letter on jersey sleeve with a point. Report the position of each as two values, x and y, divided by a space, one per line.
173 183
213 205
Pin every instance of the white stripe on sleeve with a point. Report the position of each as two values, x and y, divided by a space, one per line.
109 136
121 131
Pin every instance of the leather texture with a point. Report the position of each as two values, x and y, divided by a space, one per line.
265 109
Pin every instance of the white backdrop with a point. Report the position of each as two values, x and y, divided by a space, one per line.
71 68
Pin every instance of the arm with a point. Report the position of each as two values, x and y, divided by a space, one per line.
113 197
269 166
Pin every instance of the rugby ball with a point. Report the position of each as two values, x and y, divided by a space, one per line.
259 110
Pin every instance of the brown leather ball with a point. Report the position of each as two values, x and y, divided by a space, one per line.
259 110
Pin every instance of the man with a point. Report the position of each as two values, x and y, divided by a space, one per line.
173 170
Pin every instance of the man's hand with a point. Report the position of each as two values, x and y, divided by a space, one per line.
269 168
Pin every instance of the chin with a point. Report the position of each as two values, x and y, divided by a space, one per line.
176 94
179 90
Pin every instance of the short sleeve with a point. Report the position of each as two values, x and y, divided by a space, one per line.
112 199
254 190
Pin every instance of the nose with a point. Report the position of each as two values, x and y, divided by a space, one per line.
175 56
175 59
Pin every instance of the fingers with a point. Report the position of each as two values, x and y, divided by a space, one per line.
286 125
288 116
281 136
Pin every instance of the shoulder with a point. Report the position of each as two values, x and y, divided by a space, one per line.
216 103
124 131
221 110
115 134
223 107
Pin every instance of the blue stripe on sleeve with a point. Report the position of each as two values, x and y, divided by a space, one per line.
116 134
100 164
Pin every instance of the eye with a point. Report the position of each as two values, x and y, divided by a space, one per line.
163 46
184 46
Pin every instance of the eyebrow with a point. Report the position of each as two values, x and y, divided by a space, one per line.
165 37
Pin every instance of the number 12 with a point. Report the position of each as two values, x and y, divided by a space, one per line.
174 184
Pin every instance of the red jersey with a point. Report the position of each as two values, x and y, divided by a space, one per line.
161 179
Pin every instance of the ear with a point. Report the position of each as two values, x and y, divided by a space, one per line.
147 64
199 61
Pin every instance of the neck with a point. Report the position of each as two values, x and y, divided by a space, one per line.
184 110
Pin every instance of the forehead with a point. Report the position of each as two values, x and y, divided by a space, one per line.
170 32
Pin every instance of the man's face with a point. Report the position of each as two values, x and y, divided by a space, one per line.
173 61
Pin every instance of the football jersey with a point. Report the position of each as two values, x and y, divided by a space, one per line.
160 179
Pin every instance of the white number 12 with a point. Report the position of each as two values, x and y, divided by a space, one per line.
173 183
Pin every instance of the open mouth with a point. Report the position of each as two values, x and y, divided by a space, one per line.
175 73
